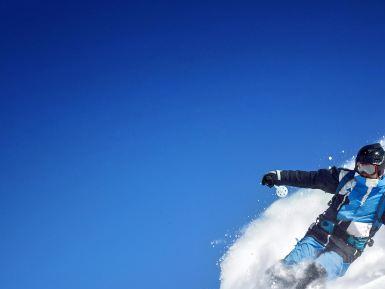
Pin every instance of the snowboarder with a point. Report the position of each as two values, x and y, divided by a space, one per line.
341 233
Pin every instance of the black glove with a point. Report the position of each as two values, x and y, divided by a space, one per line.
269 179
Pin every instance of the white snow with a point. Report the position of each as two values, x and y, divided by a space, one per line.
272 236
281 191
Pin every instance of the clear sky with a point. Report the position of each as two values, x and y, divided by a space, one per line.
133 134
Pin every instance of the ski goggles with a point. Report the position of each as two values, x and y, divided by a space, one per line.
367 169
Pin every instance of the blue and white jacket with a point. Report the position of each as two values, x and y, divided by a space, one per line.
356 211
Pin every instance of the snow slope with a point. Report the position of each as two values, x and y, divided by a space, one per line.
272 236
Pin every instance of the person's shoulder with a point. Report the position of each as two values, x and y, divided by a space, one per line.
342 172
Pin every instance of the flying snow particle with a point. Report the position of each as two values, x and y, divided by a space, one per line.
216 242
281 191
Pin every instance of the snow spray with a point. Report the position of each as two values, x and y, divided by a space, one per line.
281 191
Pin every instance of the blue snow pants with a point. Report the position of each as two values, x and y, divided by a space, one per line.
309 249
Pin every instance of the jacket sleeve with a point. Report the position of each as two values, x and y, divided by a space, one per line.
324 179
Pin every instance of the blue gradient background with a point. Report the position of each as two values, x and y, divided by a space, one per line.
133 134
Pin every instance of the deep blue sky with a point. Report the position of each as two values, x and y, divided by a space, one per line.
133 134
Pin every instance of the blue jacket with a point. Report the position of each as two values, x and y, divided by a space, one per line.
356 211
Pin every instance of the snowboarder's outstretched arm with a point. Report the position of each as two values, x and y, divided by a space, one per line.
324 179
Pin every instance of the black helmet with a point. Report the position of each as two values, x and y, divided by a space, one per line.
372 154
